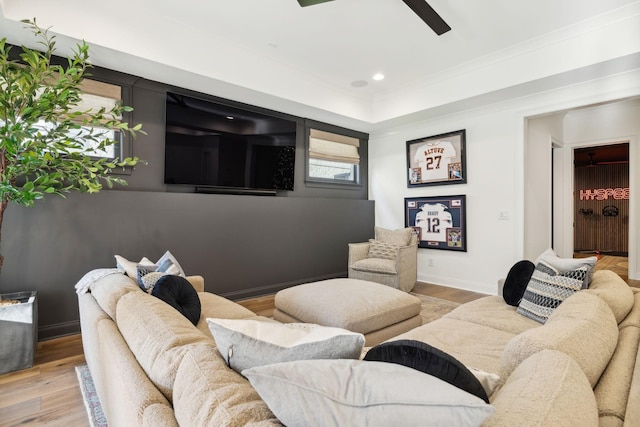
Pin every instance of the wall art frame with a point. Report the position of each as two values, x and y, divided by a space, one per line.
440 221
437 160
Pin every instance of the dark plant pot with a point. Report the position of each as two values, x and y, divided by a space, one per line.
18 332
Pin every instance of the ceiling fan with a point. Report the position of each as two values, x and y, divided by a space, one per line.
420 7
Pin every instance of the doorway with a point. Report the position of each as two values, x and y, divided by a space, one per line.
601 202
601 199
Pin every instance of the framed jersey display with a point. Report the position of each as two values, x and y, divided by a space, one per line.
437 160
440 221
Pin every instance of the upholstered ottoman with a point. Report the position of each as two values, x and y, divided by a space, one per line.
377 311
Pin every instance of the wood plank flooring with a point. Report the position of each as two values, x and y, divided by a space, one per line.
48 393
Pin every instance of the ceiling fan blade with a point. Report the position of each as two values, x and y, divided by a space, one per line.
428 15
305 3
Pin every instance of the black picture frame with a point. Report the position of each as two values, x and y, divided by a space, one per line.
440 221
437 160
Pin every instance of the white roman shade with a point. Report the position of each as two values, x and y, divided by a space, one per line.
96 95
333 147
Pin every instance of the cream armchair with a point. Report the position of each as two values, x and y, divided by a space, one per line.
391 259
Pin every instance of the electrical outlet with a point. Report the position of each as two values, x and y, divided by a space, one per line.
430 262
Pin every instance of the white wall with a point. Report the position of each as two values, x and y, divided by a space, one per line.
538 182
496 163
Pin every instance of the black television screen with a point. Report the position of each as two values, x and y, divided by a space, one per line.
216 146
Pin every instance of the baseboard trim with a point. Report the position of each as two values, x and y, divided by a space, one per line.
272 289
481 288
58 330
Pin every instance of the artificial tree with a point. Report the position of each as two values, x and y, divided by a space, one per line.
46 141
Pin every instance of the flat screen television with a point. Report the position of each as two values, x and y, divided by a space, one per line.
221 148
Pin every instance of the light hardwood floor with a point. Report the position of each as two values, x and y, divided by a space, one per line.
48 393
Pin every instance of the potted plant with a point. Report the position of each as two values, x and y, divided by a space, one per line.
48 142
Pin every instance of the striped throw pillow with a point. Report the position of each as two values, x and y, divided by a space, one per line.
547 289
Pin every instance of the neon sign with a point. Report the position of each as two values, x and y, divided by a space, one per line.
605 193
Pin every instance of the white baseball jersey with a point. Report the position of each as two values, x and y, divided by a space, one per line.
434 158
434 219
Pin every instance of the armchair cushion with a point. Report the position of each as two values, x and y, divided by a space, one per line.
376 265
382 250
400 237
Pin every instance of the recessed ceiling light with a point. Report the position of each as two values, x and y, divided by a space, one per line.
230 117
378 76
359 83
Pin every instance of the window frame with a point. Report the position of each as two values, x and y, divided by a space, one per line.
124 147
358 180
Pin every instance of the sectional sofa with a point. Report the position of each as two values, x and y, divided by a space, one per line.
151 366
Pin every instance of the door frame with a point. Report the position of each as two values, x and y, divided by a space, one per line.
563 208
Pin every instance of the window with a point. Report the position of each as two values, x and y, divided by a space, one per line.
333 157
97 95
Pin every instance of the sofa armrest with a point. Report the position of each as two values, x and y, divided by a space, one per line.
358 251
407 259
197 282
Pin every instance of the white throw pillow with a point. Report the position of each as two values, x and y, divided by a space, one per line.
245 343
167 262
564 265
362 393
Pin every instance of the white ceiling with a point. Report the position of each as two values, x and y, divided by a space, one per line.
295 58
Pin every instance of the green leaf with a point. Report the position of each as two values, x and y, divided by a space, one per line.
54 159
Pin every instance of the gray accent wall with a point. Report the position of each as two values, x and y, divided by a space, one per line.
243 245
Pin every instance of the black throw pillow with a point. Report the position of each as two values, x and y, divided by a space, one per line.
516 282
423 357
179 294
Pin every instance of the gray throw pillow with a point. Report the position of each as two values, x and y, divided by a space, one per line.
362 393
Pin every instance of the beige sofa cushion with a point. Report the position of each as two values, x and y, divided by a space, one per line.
547 389
108 290
492 311
219 307
632 416
614 291
157 335
633 318
476 346
612 389
582 327
207 393
615 386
